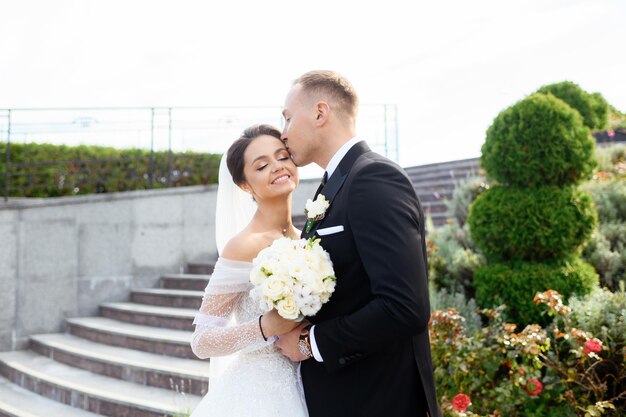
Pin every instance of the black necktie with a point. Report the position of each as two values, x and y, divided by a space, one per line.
322 184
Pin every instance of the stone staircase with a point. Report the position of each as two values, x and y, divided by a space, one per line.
435 183
132 360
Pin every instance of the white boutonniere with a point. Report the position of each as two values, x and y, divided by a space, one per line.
315 211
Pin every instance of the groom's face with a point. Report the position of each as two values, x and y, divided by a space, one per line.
298 133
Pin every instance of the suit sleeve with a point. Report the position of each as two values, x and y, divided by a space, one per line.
388 230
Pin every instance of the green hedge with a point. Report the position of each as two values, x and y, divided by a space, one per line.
593 108
538 141
531 224
515 284
44 170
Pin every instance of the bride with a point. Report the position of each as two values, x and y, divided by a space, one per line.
254 378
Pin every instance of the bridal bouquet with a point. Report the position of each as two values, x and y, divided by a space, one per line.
293 276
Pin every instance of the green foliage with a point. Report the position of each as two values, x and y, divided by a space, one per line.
531 224
611 161
603 313
515 283
452 259
617 119
44 170
610 200
593 108
464 194
441 299
538 141
495 364
606 250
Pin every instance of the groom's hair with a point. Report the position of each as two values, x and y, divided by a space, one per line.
234 158
330 86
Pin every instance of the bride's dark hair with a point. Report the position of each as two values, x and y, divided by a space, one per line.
234 158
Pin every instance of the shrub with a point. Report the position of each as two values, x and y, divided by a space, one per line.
443 300
531 224
610 200
464 194
606 250
538 141
536 372
603 313
608 259
611 162
593 108
44 170
515 283
452 259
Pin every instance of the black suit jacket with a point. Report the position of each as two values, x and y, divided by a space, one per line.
373 333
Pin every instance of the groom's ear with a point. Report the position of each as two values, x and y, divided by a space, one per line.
322 112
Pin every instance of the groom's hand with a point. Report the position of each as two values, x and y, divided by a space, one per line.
288 343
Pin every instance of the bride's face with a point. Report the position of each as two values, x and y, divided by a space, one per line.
268 168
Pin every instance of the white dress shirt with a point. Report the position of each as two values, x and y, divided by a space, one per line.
330 168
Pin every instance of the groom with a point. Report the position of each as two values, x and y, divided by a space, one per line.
367 352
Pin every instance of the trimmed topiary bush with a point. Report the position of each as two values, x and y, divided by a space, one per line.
515 284
531 223
538 141
593 108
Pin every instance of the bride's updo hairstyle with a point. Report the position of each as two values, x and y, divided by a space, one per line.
234 158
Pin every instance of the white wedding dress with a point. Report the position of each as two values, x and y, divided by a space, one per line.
249 377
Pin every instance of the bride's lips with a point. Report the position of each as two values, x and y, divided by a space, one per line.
282 179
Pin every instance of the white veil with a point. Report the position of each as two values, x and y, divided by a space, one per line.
234 208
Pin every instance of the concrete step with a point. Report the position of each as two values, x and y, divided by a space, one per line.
88 391
16 401
435 196
200 267
458 174
435 206
149 315
194 282
440 184
167 297
133 336
191 376
445 166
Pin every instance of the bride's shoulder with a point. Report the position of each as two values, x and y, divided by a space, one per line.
243 247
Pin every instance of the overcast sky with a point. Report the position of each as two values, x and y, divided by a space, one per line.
449 66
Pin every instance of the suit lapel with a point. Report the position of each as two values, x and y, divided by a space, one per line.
334 183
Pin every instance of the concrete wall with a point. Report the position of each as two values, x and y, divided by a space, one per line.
62 257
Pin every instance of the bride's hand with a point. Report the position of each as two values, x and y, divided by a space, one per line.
273 324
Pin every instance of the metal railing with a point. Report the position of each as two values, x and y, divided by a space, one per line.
164 133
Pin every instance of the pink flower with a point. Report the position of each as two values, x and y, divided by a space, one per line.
534 387
610 133
460 402
593 345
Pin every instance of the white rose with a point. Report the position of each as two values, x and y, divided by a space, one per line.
297 269
275 288
257 276
329 285
288 309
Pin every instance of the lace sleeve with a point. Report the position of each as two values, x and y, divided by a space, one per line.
216 332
